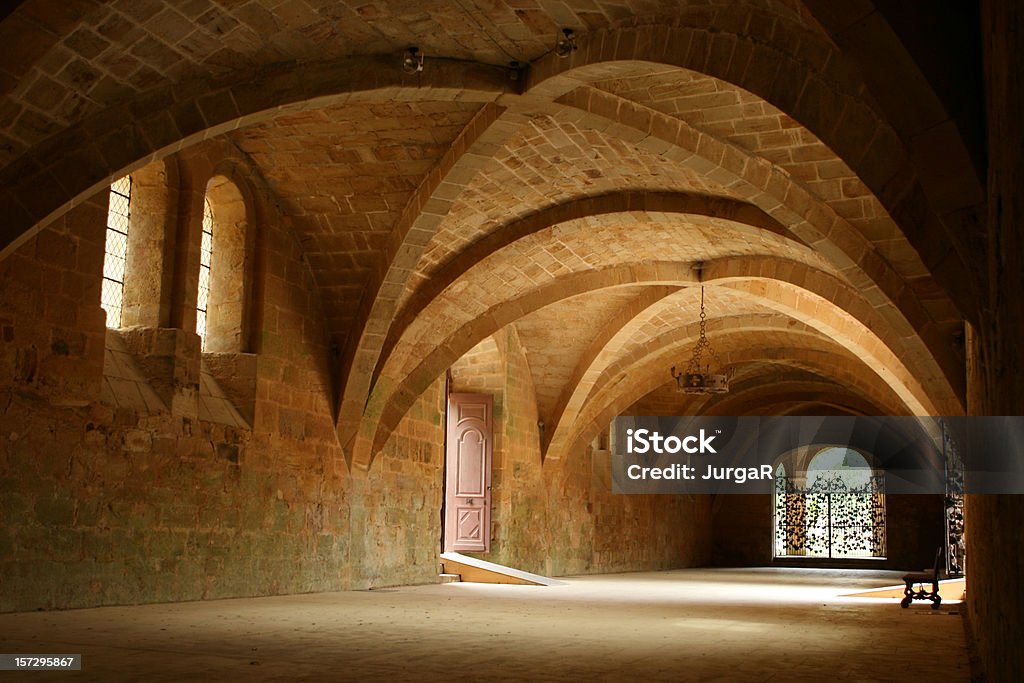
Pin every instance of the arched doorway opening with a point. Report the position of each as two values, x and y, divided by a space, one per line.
831 507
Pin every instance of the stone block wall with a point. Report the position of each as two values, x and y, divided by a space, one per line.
742 530
395 508
994 600
995 542
51 326
104 504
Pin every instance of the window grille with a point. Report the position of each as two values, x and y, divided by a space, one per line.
206 256
834 512
116 250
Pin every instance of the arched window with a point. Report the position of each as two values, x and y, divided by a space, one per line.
116 249
205 264
224 270
833 508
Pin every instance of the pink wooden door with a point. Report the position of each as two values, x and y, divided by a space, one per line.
467 522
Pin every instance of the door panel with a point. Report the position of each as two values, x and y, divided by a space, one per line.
467 526
471 457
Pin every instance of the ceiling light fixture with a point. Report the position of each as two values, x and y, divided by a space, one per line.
566 45
698 380
412 61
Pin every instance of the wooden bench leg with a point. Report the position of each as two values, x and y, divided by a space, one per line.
908 595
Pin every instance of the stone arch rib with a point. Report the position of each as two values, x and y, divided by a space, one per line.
584 207
803 75
127 136
610 403
391 397
416 225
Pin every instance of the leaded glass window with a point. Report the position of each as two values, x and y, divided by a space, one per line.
116 250
205 258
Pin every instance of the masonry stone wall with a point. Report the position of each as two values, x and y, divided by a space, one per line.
995 547
395 510
107 504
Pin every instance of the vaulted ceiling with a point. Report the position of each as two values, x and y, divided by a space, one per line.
734 145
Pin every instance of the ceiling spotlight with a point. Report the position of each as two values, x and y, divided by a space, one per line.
412 61
567 44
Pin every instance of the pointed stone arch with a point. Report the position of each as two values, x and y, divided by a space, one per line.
803 350
799 72
393 394
606 208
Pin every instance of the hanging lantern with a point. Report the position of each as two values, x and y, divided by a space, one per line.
700 379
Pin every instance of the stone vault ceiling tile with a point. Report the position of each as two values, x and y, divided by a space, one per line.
548 163
72 59
344 174
556 336
741 118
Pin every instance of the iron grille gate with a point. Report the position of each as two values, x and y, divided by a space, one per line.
830 518
956 546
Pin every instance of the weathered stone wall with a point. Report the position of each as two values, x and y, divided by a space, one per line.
396 507
742 533
995 368
995 604
995 544
51 325
103 504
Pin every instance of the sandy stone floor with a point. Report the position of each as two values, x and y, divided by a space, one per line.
706 625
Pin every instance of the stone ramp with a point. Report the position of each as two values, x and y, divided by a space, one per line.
475 570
